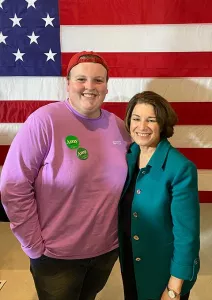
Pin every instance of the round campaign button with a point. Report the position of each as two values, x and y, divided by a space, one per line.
72 142
82 153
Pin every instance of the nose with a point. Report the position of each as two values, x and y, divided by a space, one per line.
89 85
143 124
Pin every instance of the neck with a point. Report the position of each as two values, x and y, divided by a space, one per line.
147 151
92 115
145 155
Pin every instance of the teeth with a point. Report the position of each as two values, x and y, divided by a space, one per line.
143 134
89 95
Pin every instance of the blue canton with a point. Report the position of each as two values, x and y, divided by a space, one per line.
29 38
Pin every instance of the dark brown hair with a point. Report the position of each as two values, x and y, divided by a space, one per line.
165 115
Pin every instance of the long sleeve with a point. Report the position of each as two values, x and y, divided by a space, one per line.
186 223
23 162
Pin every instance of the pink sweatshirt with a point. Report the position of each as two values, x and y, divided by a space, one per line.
62 181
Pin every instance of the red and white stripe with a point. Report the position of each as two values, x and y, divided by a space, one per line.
159 45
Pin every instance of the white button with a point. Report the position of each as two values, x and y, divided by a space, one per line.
143 172
138 259
136 237
138 191
135 214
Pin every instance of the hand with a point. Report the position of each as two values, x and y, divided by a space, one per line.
165 296
176 285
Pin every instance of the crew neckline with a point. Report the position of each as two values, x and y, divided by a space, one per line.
70 107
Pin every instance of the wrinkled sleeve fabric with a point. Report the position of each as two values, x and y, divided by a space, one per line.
21 167
185 212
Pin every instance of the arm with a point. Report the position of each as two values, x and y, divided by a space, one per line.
21 167
186 228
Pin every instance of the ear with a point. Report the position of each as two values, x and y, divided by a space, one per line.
67 84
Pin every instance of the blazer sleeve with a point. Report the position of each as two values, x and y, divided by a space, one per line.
185 212
21 167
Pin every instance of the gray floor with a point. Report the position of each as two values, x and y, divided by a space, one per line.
19 286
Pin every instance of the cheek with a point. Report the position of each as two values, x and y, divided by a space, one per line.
103 90
157 131
75 89
132 129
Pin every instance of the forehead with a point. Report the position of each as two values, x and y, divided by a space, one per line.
144 109
89 69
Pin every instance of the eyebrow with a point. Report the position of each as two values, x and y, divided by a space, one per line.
79 76
84 76
139 116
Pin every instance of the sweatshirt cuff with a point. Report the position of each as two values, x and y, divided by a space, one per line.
36 251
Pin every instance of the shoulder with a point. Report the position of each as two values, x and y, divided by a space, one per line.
42 119
179 166
118 123
55 108
114 119
48 113
178 159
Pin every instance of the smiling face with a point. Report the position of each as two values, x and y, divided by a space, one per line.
144 128
87 88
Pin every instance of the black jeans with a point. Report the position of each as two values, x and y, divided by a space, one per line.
80 279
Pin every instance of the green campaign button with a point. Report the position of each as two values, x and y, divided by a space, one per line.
72 142
82 153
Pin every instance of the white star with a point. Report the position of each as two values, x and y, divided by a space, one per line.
33 38
16 20
31 3
50 55
1 1
2 38
48 20
18 55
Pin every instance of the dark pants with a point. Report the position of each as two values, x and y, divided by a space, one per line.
185 297
80 279
128 275
3 216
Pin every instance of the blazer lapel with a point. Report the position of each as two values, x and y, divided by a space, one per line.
159 157
132 157
156 162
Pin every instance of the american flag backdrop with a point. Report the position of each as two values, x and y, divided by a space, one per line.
159 45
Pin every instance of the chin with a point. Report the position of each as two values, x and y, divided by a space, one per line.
145 144
142 143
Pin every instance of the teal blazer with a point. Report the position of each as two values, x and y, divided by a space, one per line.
165 221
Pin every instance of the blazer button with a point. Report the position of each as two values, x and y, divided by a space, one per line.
138 192
143 172
136 237
135 214
138 259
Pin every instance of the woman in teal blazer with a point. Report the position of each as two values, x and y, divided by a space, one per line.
159 214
